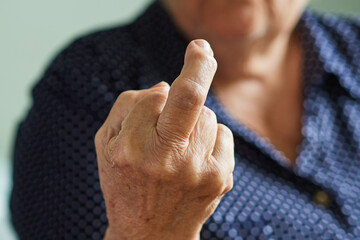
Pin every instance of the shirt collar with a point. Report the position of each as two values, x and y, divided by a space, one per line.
334 43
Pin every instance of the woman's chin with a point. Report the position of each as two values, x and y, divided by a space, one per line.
241 31
243 23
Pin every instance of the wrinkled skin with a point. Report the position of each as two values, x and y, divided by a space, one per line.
164 161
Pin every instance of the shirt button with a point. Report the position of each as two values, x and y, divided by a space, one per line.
322 198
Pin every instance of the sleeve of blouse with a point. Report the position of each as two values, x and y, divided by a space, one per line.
56 191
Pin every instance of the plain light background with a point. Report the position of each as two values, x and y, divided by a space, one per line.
32 32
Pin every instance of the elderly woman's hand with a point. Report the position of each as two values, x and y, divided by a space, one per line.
164 161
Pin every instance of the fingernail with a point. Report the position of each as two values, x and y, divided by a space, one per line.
204 45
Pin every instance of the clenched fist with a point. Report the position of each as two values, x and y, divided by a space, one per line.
164 161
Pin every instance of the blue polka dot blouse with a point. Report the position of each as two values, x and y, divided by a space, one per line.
56 193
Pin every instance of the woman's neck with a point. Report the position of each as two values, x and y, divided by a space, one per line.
262 60
263 90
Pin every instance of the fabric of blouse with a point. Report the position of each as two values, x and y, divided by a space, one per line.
56 193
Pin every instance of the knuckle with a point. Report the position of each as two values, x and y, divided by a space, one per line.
228 186
169 141
200 55
197 54
208 114
190 183
216 181
217 184
190 95
158 97
225 132
126 95
124 151
112 151
206 60
161 167
211 63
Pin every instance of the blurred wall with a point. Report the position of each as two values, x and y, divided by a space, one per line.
31 32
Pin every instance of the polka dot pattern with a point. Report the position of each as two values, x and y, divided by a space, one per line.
57 194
